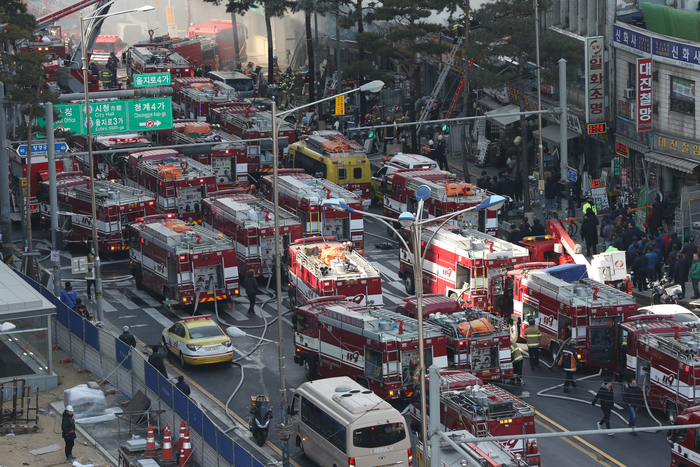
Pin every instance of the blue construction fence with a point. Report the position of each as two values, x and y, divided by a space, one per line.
109 358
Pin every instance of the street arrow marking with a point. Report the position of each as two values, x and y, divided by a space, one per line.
138 325
127 316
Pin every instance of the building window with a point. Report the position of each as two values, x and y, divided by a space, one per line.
682 96
632 75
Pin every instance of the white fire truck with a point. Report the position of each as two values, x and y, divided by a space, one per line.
109 165
463 264
325 267
377 348
39 172
250 222
226 154
194 97
117 207
565 304
664 356
249 123
448 194
179 182
303 194
185 264
156 60
476 343
466 403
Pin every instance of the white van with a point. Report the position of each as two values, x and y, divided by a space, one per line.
680 313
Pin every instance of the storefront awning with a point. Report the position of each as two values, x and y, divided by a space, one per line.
489 103
551 133
504 120
677 163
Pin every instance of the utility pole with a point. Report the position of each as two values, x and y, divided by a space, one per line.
540 155
465 96
236 47
337 49
563 120
5 221
53 197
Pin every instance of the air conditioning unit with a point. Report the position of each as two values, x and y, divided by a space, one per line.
629 93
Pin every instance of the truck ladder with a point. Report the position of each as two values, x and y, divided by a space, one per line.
458 92
46 20
438 86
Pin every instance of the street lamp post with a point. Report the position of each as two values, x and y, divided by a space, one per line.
408 220
374 86
85 33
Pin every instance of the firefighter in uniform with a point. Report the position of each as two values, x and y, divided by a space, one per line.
532 336
568 362
282 94
389 134
376 116
250 69
589 204
106 78
198 72
516 356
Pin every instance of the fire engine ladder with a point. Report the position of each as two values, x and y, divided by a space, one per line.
458 92
46 20
518 405
438 85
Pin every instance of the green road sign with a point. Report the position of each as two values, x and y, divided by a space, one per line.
116 116
145 80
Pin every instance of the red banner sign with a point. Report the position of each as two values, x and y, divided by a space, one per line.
644 101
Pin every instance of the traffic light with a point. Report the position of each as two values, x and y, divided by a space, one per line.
364 134
354 135
372 135
446 128
428 129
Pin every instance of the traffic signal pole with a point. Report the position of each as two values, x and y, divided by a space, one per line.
5 221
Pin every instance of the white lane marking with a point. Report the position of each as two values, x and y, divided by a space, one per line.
121 298
391 274
156 315
107 307
146 297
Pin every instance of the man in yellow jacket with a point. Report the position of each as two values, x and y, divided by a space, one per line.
532 336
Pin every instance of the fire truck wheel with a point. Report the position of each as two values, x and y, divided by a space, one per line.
453 296
166 294
409 283
553 351
671 412
300 445
310 369
515 331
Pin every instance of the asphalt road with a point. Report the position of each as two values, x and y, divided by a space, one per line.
147 317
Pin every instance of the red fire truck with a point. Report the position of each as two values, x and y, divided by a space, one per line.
377 348
226 154
194 97
685 443
110 165
448 195
39 172
105 45
179 182
250 223
663 355
463 264
303 194
117 207
432 303
323 267
196 50
249 123
221 32
466 403
475 342
565 303
185 264
156 60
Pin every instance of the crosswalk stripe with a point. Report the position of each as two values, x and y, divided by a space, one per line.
107 307
156 315
390 273
146 297
118 296
392 299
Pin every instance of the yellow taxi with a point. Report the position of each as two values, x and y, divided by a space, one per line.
197 341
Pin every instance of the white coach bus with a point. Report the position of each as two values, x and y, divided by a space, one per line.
339 423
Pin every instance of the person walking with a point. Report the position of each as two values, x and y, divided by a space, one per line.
127 338
550 195
607 231
688 249
439 153
651 263
516 357
632 395
157 359
695 275
518 184
607 400
89 275
653 220
68 432
69 296
589 204
568 362
639 267
250 284
532 336
680 274
183 386
589 232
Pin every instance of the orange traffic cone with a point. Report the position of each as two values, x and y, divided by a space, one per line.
166 455
186 452
151 451
181 437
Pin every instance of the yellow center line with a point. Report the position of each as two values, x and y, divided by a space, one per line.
582 441
576 445
220 404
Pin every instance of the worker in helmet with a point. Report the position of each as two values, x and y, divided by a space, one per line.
239 67
282 94
106 78
198 71
435 112
389 134
439 153
376 116
250 68
429 150
94 71
368 120
399 117
305 128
